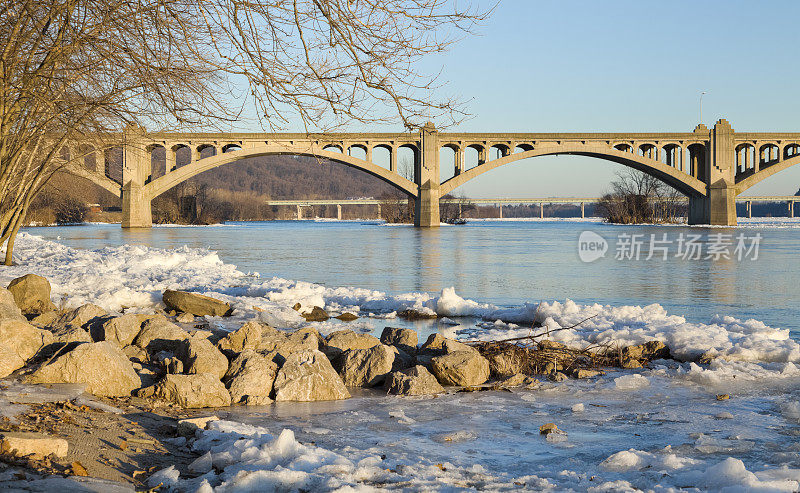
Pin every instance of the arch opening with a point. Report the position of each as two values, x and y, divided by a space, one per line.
164 183
672 176
382 156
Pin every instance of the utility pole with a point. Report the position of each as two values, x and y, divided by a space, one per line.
701 105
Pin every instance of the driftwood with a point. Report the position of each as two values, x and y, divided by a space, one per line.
537 354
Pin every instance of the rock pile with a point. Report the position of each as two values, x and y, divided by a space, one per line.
152 356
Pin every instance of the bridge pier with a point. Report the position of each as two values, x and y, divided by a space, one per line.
426 205
136 208
136 211
339 212
718 207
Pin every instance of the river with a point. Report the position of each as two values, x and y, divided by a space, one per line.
504 263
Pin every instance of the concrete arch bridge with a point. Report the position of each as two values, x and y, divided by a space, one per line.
710 166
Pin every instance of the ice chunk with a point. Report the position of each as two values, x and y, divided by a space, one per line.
631 382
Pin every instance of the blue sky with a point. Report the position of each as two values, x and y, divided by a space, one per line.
565 65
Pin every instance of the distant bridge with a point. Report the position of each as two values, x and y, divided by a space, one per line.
790 200
710 166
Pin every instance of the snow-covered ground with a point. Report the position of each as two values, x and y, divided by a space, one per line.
659 428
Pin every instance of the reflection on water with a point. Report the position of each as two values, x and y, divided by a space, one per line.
505 263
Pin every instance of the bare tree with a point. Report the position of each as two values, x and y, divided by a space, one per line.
637 197
452 208
81 70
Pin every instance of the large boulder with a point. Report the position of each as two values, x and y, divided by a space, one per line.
32 294
190 391
283 344
68 333
366 367
434 344
413 381
159 334
405 339
121 330
250 378
101 366
83 315
23 338
196 304
8 307
245 337
308 376
463 368
9 361
343 340
200 356
451 346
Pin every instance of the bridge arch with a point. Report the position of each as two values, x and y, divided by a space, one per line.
767 169
171 179
684 183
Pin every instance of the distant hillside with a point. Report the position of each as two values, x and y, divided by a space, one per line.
291 177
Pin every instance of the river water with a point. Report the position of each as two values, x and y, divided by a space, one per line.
505 263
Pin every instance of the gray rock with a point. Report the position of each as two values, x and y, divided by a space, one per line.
405 339
285 344
135 353
121 330
185 318
9 361
250 378
103 367
342 340
190 391
35 445
46 319
247 336
32 294
8 307
200 356
167 362
159 334
23 338
451 346
308 376
317 314
434 344
519 380
413 381
196 304
649 351
70 333
366 367
463 368
189 427
584 373
83 315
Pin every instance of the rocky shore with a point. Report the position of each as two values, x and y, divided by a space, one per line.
150 373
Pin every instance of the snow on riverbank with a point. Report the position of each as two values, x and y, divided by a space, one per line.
658 428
